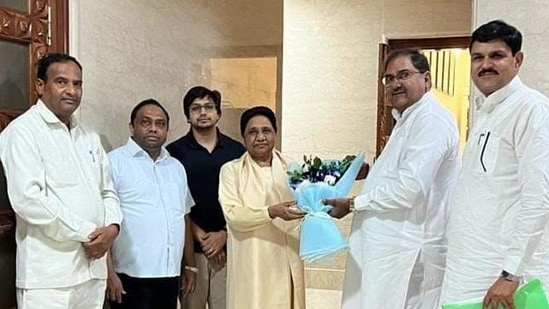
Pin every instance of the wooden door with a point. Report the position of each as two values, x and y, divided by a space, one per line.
28 30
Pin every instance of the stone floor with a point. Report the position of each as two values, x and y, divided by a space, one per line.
323 299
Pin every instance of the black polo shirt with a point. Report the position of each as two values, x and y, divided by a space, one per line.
202 170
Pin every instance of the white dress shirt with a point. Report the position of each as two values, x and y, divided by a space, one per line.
398 228
154 198
500 208
60 189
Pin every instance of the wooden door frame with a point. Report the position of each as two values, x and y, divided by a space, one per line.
31 28
384 117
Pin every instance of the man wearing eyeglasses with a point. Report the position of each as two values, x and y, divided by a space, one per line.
497 233
397 254
203 150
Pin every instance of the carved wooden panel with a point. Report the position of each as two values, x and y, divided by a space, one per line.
31 30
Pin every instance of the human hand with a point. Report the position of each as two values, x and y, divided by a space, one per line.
340 206
115 290
500 293
285 211
213 243
100 241
364 169
218 261
188 282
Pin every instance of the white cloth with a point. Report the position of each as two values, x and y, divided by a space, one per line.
500 207
60 189
154 198
88 295
397 240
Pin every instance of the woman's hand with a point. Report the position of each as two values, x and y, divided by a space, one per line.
285 211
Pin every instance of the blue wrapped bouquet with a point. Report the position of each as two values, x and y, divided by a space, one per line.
312 182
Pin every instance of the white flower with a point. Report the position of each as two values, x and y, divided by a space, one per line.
329 179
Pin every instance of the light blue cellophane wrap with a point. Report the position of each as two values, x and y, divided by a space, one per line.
320 236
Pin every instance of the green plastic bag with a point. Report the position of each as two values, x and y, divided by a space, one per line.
529 296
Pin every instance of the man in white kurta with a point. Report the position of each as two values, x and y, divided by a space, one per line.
397 242
500 207
60 189
397 239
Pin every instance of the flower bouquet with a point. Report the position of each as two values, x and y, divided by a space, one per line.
312 182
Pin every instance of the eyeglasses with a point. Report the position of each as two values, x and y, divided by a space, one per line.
197 108
388 79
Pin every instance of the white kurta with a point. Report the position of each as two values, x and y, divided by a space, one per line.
500 207
61 190
397 236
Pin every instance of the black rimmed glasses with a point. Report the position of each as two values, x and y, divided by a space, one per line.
197 108
388 79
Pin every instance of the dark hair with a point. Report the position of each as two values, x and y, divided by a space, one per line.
45 62
498 30
199 92
256 111
419 61
145 103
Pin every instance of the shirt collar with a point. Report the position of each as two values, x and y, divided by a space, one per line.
135 150
193 143
487 104
50 117
407 112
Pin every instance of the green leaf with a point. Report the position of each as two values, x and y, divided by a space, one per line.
317 163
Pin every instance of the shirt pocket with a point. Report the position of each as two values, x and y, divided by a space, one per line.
59 170
488 154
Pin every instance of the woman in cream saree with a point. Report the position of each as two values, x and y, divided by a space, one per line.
263 265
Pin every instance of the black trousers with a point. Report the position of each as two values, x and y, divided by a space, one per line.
148 293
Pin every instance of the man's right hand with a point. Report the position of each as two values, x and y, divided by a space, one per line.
340 207
285 211
100 241
115 290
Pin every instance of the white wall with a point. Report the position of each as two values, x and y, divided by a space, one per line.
330 66
134 50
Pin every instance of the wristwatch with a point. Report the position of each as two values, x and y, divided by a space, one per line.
510 277
352 204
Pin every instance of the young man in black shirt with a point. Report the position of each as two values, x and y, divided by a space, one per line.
203 150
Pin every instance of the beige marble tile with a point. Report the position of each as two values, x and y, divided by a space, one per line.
328 279
323 299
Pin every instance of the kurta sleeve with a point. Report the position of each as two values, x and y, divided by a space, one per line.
239 217
113 213
532 151
25 175
428 145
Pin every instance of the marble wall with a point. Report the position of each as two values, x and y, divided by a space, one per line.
330 66
134 50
